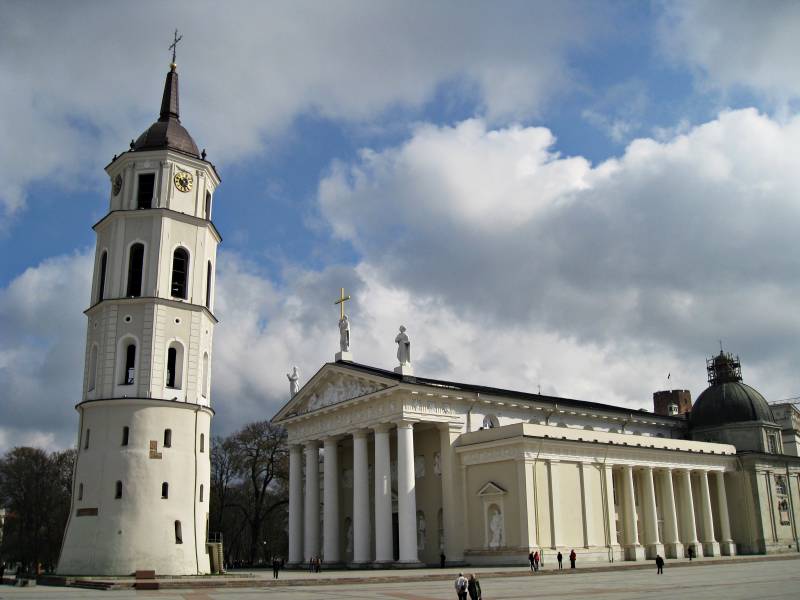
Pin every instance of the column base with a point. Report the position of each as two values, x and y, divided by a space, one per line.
634 552
711 549
360 564
654 550
674 550
728 548
408 564
698 549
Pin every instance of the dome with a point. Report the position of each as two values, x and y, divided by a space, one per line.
727 399
168 132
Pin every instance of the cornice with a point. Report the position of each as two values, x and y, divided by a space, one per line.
162 212
155 300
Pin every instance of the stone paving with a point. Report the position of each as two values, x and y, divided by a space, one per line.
770 578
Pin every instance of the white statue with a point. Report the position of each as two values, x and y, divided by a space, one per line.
421 527
294 381
344 334
349 536
419 466
495 527
403 347
437 463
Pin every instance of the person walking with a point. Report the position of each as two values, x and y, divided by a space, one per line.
559 558
572 558
536 561
461 587
474 587
690 552
659 565
276 566
530 560
442 560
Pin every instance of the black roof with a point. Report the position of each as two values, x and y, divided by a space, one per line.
168 132
729 402
482 389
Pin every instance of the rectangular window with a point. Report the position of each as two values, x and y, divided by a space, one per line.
86 439
144 194
208 206
178 533
125 434
772 444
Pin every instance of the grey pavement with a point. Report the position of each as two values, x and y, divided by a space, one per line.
770 579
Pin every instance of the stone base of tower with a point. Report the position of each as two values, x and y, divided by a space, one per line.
123 517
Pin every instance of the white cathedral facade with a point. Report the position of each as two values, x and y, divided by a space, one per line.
389 469
141 484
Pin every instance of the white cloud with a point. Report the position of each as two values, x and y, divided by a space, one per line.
510 265
79 80
737 43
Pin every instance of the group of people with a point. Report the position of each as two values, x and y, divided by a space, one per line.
314 564
535 560
468 584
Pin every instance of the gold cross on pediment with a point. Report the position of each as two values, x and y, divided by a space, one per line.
342 299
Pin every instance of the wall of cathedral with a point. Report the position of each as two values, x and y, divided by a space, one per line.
428 493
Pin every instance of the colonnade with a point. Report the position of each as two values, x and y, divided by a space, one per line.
304 539
681 530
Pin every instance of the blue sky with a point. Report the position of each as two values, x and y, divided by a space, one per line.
611 185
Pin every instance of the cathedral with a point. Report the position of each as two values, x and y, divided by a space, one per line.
391 469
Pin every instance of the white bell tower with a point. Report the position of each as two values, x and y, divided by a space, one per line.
140 497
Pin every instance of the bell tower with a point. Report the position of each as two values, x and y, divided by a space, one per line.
140 497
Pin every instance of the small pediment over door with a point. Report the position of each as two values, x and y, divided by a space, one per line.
491 489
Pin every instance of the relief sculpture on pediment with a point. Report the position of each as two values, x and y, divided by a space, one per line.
340 389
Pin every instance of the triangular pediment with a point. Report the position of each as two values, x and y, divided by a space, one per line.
491 489
331 385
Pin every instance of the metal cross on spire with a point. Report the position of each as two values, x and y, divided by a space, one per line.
342 299
174 45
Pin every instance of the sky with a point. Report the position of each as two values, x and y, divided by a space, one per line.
581 198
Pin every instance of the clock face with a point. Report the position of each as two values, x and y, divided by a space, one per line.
183 181
117 187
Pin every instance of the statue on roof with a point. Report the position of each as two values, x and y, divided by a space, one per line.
344 334
294 381
403 347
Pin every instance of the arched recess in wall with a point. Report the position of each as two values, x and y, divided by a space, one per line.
127 360
174 370
180 273
135 270
490 422
205 375
101 280
92 382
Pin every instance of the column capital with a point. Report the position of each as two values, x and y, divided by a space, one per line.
647 468
450 427
403 424
295 447
331 439
381 427
311 444
360 433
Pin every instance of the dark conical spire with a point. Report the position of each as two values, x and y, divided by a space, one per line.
169 102
168 132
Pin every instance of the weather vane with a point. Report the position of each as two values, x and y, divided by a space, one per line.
174 45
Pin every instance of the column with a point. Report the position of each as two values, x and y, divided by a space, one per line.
311 539
633 551
361 524
611 523
527 518
452 509
586 504
330 501
295 504
406 493
653 544
555 503
673 548
710 545
383 496
727 547
688 523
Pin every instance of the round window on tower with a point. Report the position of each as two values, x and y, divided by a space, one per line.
177 321
128 318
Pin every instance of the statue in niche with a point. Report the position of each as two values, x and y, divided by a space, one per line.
348 526
403 347
344 334
495 527
347 478
421 528
437 464
419 466
294 381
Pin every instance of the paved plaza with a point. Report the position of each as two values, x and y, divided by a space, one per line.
776 579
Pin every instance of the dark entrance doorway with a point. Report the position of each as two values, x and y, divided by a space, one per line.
395 537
